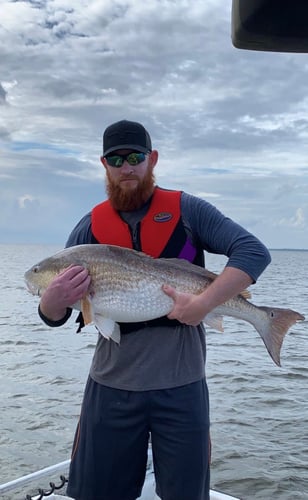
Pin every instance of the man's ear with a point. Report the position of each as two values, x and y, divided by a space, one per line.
153 158
103 161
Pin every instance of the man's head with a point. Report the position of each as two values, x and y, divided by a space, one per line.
129 162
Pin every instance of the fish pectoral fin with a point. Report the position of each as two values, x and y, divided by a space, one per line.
86 309
108 328
214 321
245 294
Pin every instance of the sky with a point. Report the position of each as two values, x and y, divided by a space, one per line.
230 125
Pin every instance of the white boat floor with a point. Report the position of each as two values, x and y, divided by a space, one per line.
214 496
148 492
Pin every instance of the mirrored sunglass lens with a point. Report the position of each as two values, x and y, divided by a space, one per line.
135 158
115 161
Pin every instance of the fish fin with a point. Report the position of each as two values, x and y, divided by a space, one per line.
108 328
245 294
116 334
214 321
274 328
86 309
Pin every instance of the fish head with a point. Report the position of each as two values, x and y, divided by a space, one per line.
39 276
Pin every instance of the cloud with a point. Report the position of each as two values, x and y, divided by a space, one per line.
2 95
230 125
298 220
27 202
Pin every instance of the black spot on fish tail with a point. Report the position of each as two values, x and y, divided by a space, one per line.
273 333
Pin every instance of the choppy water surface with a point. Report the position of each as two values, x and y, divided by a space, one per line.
259 412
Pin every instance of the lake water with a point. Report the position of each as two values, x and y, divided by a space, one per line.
259 412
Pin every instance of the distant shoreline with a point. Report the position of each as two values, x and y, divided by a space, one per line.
61 246
288 249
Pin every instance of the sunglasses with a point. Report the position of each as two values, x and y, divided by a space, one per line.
131 158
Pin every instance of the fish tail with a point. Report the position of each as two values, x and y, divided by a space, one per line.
273 331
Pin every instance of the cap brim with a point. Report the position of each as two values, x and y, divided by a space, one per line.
135 147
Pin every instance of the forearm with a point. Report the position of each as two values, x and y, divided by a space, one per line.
228 284
54 322
50 311
192 309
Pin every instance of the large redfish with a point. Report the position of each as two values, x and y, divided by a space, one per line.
126 286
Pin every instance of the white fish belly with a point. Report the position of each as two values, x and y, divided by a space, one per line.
140 303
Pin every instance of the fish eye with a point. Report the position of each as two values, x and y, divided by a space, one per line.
36 269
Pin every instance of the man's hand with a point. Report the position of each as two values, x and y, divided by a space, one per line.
188 308
64 291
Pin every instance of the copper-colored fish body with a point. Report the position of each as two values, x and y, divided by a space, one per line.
126 286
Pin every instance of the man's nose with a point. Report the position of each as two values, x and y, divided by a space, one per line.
126 167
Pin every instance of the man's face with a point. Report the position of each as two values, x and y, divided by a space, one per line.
130 186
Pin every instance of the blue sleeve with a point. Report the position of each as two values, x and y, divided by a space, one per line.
219 234
82 233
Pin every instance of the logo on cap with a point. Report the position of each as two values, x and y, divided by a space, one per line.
162 217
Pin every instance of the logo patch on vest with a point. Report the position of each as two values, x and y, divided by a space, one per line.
162 217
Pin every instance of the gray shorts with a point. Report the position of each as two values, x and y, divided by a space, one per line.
110 448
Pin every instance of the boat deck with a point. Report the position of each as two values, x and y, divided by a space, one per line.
148 492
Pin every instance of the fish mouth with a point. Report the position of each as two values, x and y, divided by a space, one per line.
32 288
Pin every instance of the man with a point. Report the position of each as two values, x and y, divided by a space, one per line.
153 383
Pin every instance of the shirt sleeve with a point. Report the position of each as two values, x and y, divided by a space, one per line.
82 232
219 234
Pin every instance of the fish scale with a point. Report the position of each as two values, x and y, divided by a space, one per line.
138 300
126 286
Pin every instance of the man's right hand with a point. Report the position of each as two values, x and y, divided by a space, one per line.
65 290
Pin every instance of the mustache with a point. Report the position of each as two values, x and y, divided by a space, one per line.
129 178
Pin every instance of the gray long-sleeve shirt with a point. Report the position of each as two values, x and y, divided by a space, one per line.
165 357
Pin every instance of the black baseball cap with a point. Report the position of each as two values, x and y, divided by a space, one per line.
126 135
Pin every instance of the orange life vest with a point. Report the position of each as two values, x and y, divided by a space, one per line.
161 231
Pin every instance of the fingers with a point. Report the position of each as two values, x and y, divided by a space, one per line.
78 276
68 287
72 271
186 308
76 281
73 276
170 291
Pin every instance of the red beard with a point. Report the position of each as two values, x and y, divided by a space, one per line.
130 199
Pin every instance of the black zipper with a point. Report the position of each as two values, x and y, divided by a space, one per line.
135 235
